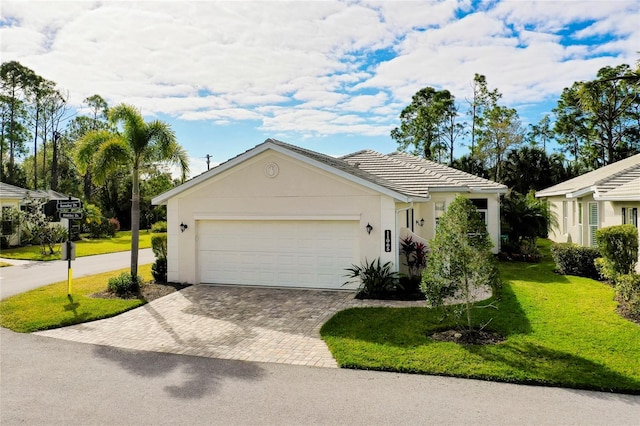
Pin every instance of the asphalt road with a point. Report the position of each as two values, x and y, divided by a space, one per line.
29 275
53 382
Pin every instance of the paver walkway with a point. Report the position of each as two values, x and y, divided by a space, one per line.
241 323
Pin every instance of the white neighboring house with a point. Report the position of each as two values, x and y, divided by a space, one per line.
280 215
14 197
604 197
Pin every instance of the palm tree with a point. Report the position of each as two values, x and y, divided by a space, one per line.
137 144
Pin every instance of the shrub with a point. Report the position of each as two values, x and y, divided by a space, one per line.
159 245
103 228
124 285
159 227
376 281
618 246
627 288
159 270
572 259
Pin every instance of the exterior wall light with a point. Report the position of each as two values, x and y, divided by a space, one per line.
183 226
369 228
420 222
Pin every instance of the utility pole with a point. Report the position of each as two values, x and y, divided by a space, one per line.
208 157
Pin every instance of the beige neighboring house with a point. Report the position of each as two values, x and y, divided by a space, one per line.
604 197
280 215
14 196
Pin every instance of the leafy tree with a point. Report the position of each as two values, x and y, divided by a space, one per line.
15 81
39 228
524 219
541 132
472 165
482 100
530 168
599 121
427 123
501 132
460 261
138 143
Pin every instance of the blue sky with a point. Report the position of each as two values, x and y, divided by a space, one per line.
331 76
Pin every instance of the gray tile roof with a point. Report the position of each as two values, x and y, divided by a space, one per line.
420 175
8 191
599 182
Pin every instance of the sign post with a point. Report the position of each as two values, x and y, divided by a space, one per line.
70 210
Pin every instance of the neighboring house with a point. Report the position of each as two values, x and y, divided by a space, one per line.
280 215
14 197
604 197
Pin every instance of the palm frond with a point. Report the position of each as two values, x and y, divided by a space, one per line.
110 155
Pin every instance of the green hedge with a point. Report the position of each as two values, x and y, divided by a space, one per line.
618 246
572 259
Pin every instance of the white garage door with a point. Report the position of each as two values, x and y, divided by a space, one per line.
277 253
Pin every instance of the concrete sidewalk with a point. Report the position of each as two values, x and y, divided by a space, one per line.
27 275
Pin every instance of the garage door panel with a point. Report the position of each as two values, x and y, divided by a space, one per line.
277 253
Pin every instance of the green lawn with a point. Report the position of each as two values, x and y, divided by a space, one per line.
84 247
560 331
49 307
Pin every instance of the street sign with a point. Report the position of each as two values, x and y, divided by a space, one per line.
69 204
71 215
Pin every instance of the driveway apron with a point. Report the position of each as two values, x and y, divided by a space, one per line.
240 323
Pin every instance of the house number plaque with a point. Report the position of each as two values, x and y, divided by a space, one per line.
387 240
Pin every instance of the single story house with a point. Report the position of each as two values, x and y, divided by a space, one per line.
604 197
281 215
14 197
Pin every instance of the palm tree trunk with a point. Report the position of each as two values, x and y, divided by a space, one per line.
135 220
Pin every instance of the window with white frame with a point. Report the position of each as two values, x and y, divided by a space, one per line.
630 216
439 207
593 223
565 217
482 204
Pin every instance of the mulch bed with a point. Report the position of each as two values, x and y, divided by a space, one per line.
150 291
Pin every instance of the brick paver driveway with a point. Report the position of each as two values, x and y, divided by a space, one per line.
242 323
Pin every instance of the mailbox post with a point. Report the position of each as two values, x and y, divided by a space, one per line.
70 210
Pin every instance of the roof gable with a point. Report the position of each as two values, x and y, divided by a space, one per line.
599 182
322 161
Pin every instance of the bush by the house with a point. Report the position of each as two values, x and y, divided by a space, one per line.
572 259
159 270
124 285
627 287
376 280
159 267
415 254
159 227
618 246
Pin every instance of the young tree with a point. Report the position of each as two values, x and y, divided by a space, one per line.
423 122
482 99
137 144
460 261
541 132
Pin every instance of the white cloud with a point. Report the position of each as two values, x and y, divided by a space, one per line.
305 67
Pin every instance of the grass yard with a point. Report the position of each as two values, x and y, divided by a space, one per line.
49 307
560 331
84 247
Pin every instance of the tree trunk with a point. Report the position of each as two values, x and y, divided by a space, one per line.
135 219
54 161
35 150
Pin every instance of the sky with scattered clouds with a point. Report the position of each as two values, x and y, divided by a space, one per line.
331 76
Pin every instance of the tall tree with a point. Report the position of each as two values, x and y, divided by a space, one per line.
423 122
482 99
501 132
137 144
599 121
15 80
541 132
530 168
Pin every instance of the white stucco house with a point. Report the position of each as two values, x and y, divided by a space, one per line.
604 197
14 197
281 215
